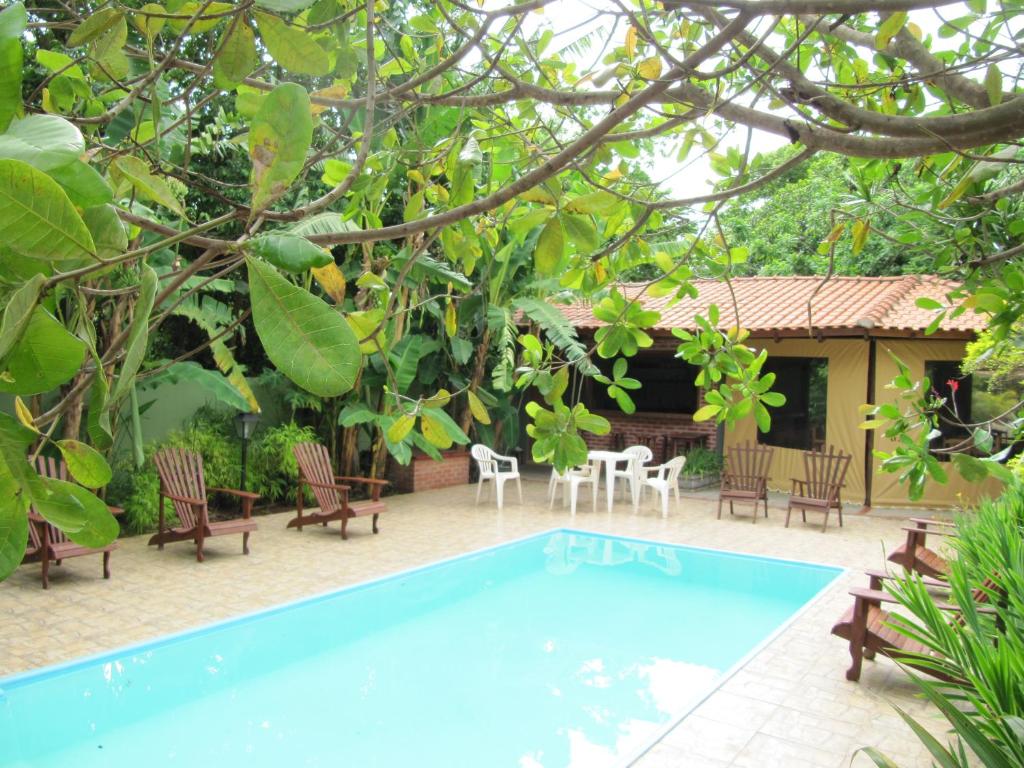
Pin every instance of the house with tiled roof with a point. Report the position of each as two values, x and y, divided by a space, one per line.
831 344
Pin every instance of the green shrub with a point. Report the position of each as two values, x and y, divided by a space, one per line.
271 470
701 461
272 467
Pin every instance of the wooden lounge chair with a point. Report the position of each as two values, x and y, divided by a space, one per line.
913 555
182 481
47 543
746 477
331 491
866 626
825 475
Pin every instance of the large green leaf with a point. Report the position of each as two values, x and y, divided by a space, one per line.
279 137
86 465
406 356
45 357
323 224
108 231
292 47
550 247
43 141
236 57
13 21
214 382
138 334
13 524
84 185
80 514
18 313
37 219
304 338
285 6
94 26
290 252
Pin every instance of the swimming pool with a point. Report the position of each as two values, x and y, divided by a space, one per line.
561 649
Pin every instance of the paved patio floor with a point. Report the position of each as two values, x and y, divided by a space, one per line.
790 706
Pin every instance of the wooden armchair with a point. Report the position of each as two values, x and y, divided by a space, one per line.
182 481
746 477
867 626
914 555
332 491
820 490
47 543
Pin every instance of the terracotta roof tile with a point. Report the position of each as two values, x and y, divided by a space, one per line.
770 304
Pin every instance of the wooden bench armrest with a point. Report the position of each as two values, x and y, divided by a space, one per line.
924 521
334 486
184 499
923 531
367 480
236 492
927 580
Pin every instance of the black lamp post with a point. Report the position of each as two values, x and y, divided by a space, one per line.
245 426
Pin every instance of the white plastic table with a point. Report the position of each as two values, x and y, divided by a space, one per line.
610 459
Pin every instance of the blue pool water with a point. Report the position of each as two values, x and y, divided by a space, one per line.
564 649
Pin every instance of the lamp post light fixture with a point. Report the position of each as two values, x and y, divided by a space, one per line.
245 426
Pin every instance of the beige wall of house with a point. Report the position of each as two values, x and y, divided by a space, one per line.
847 391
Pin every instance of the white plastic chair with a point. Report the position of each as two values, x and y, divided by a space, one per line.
488 462
639 455
665 480
573 479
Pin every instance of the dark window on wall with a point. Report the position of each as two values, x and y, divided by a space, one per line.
667 385
800 423
958 390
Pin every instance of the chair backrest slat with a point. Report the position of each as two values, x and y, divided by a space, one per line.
825 472
315 466
747 466
181 473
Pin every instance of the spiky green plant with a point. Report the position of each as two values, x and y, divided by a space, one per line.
980 647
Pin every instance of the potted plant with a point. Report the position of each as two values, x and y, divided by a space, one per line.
703 468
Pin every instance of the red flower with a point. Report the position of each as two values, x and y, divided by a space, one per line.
953 385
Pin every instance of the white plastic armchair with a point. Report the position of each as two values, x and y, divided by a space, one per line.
663 479
633 471
572 479
489 465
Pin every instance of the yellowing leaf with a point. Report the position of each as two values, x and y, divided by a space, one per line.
477 408
150 26
401 427
211 16
650 69
439 399
331 280
538 195
861 228
151 187
292 47
339 91
435 432
237 57
631 38
994 84
451 320
24 414
279 137
550 247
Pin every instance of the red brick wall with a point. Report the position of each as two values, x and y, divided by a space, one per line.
424 473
